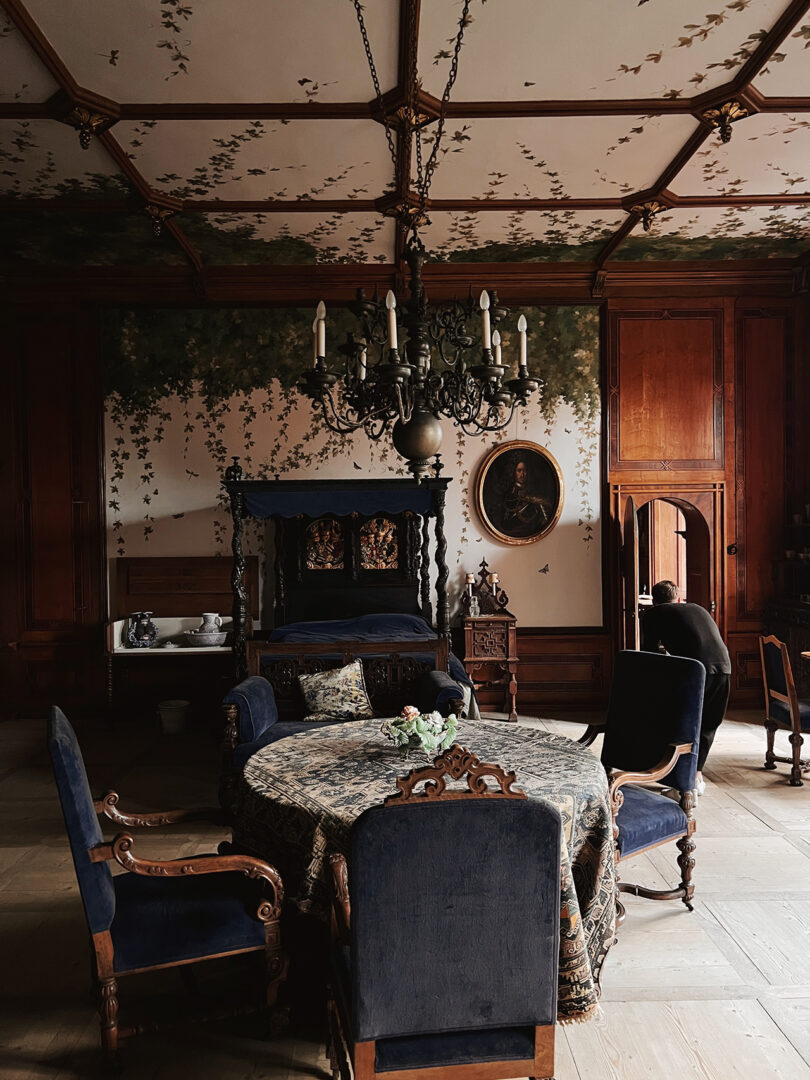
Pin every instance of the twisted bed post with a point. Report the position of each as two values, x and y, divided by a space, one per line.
233 474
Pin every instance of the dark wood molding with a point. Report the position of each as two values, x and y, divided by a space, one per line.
795 11
285 286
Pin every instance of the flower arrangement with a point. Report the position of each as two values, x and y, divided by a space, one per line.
431 732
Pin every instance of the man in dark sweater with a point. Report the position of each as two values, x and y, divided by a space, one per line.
689 630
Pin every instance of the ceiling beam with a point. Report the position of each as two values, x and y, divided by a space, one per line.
40 44
356 206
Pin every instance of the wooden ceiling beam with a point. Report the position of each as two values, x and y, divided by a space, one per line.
247 110
786 22
355 206
461 110
40 44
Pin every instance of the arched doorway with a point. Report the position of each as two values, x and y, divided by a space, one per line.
668 534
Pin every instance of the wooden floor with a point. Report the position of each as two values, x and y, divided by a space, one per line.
719 994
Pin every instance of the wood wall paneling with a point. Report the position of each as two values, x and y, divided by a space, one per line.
665 389
746 669
48 487
52 490
761 422
560 670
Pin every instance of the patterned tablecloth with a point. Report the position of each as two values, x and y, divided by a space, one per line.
299 797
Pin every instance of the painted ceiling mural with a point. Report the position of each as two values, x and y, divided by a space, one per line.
252 128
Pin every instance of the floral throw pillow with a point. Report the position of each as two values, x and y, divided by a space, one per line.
337 695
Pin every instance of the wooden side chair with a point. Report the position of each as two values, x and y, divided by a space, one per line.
445 959
783 708
651 734
160 914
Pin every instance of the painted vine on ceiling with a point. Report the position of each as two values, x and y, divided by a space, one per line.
179 51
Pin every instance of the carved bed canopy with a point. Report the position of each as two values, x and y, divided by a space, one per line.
343 547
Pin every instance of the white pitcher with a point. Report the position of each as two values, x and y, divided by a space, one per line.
210 624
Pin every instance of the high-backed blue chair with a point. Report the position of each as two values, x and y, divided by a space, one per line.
161 914
783 707
651 734
446 931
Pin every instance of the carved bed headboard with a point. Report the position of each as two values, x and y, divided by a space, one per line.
344 547
391 669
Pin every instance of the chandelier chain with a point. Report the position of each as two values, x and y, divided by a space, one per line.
424 175
358 7
423 181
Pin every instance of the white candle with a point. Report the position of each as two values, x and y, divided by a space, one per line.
361 370
484 302
496 342
522 332
314 342
320 311
391 304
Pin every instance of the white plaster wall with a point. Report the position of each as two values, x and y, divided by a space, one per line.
185 519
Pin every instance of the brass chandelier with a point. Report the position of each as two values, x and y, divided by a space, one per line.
380 390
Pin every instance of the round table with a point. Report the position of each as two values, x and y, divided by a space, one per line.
299 796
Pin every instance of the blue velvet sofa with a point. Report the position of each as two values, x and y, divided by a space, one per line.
403 662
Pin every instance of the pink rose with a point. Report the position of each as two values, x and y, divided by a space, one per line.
410 712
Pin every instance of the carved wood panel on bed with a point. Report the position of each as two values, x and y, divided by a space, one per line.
391 669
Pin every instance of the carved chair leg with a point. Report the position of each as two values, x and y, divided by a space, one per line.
796 742
335 1047
770 728
686 845
108 1016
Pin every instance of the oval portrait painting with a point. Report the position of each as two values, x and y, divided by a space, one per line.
519 492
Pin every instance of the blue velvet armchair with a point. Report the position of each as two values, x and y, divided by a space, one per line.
446 927
160 914
783 707
651 736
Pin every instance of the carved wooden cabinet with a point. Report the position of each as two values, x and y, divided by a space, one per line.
490 655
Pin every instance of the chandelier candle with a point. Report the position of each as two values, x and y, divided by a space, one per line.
522 332
485 333
320 311
496 343
391 305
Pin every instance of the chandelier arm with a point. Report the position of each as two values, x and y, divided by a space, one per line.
333 419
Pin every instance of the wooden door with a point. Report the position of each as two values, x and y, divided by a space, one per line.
630 636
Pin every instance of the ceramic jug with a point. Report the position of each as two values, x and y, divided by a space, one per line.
211 622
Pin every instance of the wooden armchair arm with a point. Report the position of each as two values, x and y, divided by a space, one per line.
120 850
589 734
341 904
108 806
658 771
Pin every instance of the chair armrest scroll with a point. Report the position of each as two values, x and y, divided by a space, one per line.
250 709
108 806
665 765
438 690
589 734
121 850
341 904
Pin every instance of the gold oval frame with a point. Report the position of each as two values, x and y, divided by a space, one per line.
494 454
